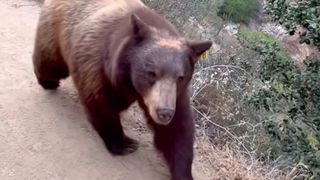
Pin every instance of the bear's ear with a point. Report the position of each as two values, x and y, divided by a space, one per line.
199 47
140 28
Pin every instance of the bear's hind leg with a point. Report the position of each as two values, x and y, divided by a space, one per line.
48 63
49 68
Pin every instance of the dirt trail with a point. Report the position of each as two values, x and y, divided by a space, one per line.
45 135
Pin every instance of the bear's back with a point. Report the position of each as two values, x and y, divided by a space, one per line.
79 17
89 32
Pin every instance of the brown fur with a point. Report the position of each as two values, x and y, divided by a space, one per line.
168 43
118 52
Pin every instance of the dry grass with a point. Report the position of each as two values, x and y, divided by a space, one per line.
222 163
227 137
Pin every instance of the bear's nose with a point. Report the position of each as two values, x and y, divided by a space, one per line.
164 114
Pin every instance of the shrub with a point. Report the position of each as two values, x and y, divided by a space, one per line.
303 13
238 10
287 103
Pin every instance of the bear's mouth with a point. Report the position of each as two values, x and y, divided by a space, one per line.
161 101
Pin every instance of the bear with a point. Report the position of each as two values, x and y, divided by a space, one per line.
118 52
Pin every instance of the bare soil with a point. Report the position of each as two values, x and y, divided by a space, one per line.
45 134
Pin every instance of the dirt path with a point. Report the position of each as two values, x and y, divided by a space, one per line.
45 135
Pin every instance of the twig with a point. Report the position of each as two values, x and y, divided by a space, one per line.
225 66
228 132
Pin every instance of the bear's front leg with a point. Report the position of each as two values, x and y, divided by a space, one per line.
106 121
176 141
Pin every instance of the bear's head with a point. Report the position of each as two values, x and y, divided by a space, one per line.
161 67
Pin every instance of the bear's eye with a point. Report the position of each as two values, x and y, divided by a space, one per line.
151 75
181 78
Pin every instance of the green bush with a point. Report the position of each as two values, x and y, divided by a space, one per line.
254 39
287 103
238 10
303 13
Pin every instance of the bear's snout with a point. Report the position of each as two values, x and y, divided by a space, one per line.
165 115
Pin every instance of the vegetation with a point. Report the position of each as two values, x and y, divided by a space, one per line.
238 10
303 13
287 103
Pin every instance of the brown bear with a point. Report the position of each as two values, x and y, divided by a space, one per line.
119 52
